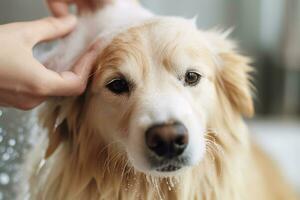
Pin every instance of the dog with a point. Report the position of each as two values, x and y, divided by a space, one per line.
161 118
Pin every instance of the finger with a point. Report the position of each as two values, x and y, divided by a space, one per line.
59 8
68 83
86 62
50 83
75 81
19 100
49 28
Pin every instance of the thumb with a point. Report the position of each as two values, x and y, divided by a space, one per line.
69 83
49 28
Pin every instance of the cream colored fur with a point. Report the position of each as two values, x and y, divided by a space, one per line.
78 160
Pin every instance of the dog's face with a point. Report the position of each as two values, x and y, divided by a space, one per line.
154 94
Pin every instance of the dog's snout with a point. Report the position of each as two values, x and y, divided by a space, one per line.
167 140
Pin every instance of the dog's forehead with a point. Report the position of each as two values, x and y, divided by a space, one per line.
161 33
158 42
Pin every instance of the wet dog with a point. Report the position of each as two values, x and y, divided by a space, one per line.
161 117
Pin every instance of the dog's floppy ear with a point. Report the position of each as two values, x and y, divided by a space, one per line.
61 120
56 126
233 75
56 136
233 79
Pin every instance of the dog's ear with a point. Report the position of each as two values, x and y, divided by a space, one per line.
56 137
52 120
233 75
233 79
61 120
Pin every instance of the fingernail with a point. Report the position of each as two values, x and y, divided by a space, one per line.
69 20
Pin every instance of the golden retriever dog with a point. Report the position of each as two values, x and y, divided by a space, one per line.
162 117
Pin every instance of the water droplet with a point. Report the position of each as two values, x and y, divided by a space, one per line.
12 142
5 157
1 138
4 179
10 150
42 163
1 196
172 183
1 113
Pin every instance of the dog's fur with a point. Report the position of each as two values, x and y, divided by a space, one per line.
93 148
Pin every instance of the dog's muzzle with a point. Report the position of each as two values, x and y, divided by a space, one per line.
167 143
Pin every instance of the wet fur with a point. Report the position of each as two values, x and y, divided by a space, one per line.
81 163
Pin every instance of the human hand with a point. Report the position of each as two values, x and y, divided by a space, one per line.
24 82
61 7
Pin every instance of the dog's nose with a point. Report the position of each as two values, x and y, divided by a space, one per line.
167 140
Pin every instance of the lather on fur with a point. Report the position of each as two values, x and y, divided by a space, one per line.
94 146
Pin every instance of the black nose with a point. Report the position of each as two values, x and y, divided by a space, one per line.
167 140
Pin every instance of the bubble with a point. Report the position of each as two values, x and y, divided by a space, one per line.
14 136
12 142
169 188
10 150
4 179
5 156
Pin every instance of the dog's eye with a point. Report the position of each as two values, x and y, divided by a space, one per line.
118 86
192 78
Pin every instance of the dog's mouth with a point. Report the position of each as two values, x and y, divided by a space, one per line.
168 168
169 165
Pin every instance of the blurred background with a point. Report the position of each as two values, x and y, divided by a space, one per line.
267 30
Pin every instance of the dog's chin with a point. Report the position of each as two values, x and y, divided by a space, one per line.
168 171
154 166
169 168
165 170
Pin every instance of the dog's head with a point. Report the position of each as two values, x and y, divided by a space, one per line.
157 89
